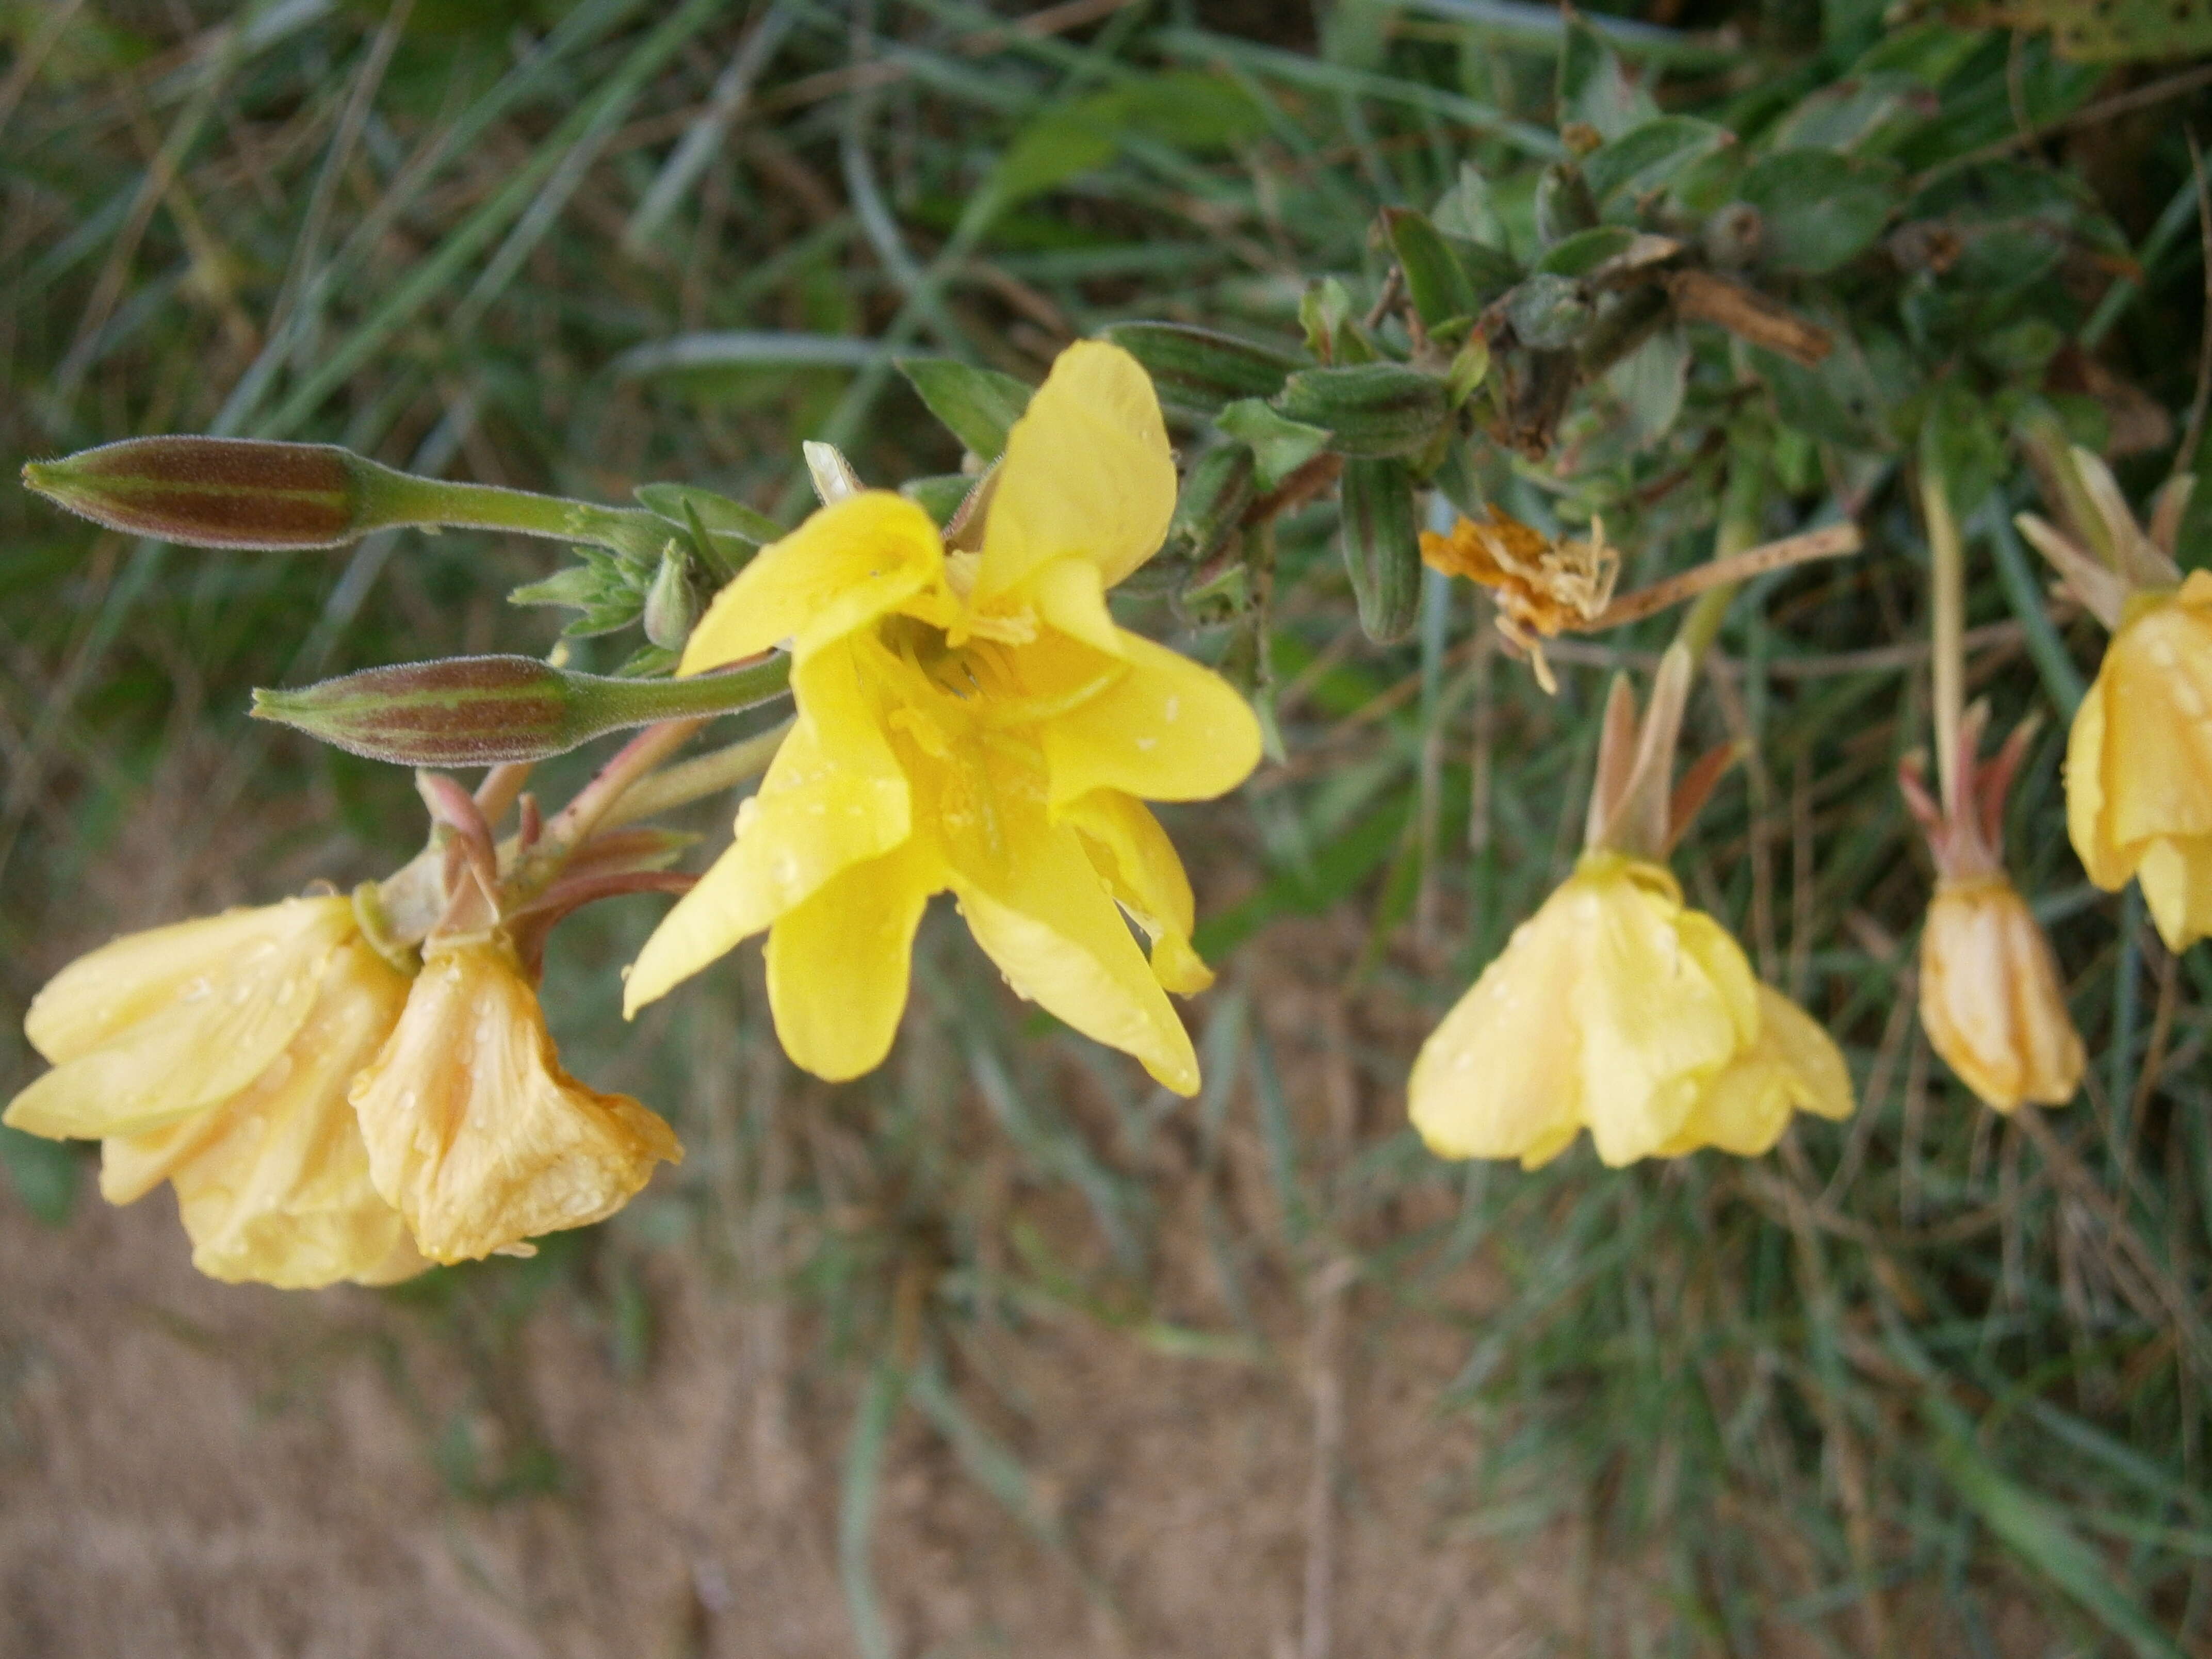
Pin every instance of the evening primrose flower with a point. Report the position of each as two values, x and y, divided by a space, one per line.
1616 1007
475 1134
973 721
216 1054
1991 998
2139 755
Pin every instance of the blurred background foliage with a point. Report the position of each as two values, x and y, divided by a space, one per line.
1926 1371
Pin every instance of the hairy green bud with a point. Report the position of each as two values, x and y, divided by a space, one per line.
483 711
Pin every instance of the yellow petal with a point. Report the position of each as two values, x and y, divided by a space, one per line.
1128 847
157 1026
2176 874
850 563
1167 729
1087 472
2085 792
476 1133
1792 1065
1500 1076
2157 772
1041 913
834 795
1658 1013
273 1184
838 964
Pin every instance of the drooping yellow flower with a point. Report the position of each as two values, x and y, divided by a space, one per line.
1618 1009
2139 760
973 722
216 1054
474 1132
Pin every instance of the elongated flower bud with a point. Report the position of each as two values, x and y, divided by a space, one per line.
246 493
215 492
483 711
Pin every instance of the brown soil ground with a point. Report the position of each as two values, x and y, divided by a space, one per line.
188 1468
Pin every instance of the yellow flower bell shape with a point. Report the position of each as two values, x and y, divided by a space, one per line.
216 1055
2139 760
973 722
474 1132
1618 1009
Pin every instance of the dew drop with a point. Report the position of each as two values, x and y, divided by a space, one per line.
1170 708
195 990
2162 652
1145 745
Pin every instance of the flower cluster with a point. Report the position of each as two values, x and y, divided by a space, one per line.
322 1114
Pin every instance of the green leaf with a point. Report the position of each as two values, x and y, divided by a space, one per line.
977 405
1467 210
1592 86
1818 209
1585 250
1382 547
1280 446
939 495
721 515
1644 158
1438 285
1866 113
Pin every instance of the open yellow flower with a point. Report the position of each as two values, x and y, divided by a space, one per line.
474 1132
1616 1007
973 722
2139 760
215 1054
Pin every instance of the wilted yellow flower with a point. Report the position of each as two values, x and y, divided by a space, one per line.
1542 587
1618 1009
1991 996
2139 760
973 721
474 1131
216 1054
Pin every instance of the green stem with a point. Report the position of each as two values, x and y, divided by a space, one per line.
393 499
696 779
1742 508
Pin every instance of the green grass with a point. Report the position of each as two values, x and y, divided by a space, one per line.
1951 1359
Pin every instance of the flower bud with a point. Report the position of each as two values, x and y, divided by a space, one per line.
1382 547
215 492
1373 408
672 604
1991 996
484 711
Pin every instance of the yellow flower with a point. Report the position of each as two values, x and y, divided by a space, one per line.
2139 760
1618 1009
1991 998
215 1054
973 722
474 1131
